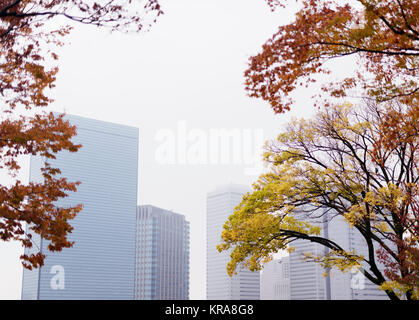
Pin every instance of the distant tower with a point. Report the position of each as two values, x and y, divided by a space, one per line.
162 260
275 280
100 265
243 286
308 280
351 285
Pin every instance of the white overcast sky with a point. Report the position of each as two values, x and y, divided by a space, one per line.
186 72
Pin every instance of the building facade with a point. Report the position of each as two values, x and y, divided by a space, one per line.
245 285
162 255
309 281
351 285
275 280
101 263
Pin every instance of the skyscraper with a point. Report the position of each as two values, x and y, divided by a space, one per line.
342 285
244 285
275 280
162 259
308 280
101 264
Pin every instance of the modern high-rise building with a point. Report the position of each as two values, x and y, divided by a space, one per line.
162 259
220 286
351 285
101 264
309 281
275 280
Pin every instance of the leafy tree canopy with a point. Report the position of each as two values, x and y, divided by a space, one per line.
382 34
327 165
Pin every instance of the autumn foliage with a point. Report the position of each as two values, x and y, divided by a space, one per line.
33 204
327 165
358 160
30 32
382 35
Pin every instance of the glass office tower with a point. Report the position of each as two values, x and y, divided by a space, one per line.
308 279
101 264
162 270
343 285
220 286
275 280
